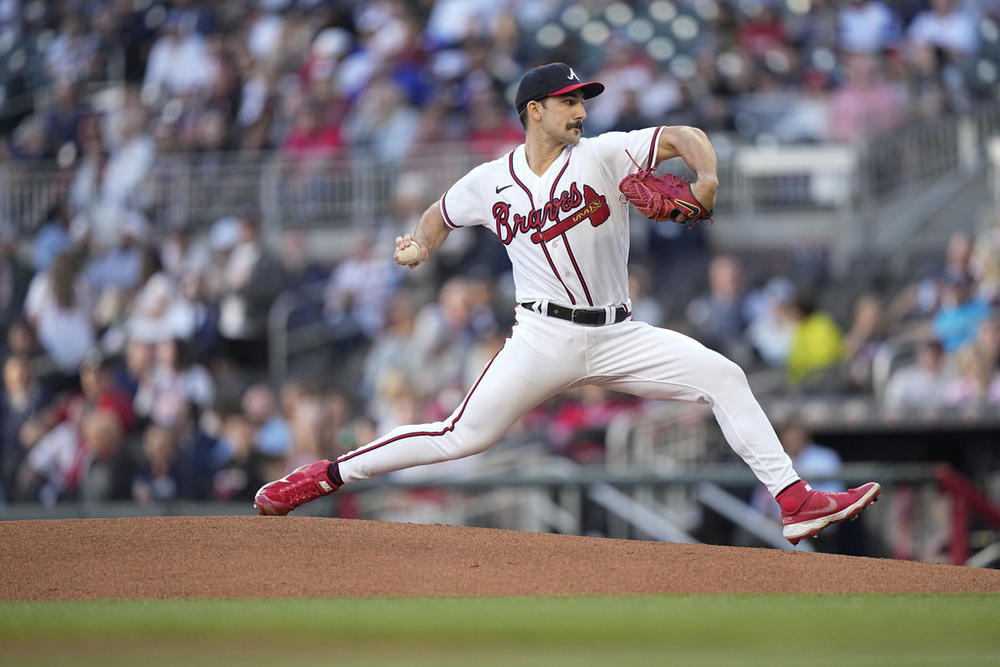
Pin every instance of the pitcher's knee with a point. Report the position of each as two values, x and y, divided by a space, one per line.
726 373
466 441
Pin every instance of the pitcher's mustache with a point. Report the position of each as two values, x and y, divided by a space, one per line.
577 125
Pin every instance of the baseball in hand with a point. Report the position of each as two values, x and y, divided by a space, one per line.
409 254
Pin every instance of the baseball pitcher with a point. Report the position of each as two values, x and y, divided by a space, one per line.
559 204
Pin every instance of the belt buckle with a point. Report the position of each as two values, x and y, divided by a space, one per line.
572 315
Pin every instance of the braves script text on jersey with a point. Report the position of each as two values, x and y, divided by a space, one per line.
567 236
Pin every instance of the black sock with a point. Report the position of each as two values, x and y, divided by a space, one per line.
786 488
333 473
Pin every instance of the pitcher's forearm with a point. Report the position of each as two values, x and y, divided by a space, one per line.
432 230
692 145
430 233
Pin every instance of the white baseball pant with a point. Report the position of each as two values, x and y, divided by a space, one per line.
546 355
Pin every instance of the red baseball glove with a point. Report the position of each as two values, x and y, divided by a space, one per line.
663 197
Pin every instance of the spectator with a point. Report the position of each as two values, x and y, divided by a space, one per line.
52 238
863 341
452 21
174 381
978 367
970 385
944 33
817 345
29 140
241 474
272 435
984 262
98 391
308 436
251 280
23 399
184 254
62 122
918 385
131 157
58 306
940 40
719 317
762 31
150 308
382 123
393 350
138 365
178 63
868 27
921 298
52 467
115 263
15 277
492 132
73 433
771 329
987 340
645 307
302 268
358 288
960 313
88 179
21 342
190 315
107 469
71 55
866 104
314 137
199 455
158 477
441 338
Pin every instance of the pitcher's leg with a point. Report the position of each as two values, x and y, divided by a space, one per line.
666 365
511 384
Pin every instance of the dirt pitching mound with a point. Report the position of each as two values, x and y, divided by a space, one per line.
270 557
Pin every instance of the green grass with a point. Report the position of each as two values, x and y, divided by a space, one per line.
644 630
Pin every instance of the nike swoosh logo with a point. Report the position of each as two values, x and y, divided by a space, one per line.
831 505
499 189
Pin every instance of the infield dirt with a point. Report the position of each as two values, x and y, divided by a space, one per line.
275 557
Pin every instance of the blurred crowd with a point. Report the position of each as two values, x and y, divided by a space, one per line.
136 354
929 343
143 373
388 77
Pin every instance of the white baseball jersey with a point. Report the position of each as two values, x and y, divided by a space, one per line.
566 231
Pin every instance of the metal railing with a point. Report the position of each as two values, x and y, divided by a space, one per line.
358 190
544 494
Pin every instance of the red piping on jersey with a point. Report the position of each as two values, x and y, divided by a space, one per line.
577 268
444 213
446 429
652 148
579 274
531 200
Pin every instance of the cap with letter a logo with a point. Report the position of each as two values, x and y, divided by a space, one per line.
552 79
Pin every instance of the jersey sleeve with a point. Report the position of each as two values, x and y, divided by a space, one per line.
611 148
463 204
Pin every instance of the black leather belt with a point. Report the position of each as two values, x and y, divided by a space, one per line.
593 317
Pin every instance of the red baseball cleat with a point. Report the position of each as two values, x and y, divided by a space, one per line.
805 512
281 496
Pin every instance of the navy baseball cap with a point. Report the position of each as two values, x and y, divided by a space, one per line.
552 79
